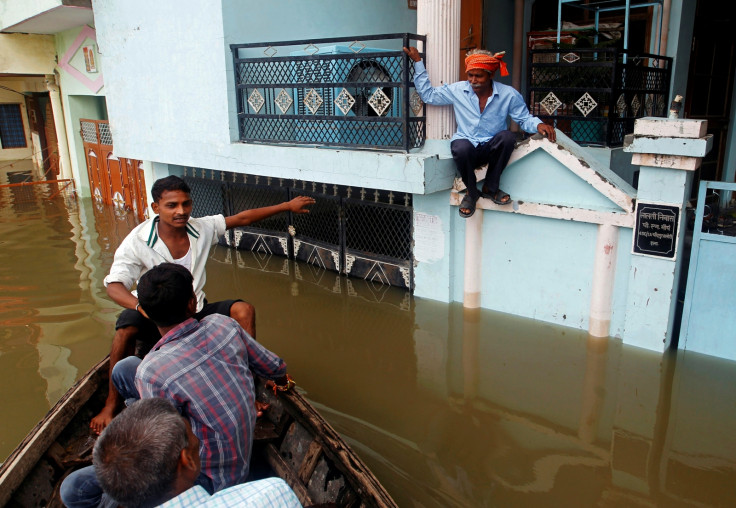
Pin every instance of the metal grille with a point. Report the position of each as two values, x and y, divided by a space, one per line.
105 134
323 222
245 197
12 134
208 196
595 95
334 92
89 132
378 228
375 226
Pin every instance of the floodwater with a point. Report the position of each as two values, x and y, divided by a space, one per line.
448 408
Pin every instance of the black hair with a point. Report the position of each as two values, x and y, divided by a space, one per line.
170 183
164 293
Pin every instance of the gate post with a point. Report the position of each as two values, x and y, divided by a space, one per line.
668 151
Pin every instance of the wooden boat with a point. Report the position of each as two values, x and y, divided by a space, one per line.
291 441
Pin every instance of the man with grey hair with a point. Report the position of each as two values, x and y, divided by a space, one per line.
205 368
149 456
481 107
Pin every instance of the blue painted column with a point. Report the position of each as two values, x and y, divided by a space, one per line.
668 151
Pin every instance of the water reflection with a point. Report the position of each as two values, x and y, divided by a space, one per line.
55 319
458 408
449 408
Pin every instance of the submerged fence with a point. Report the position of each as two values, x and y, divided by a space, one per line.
359 232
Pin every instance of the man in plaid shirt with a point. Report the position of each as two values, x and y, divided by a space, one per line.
204 369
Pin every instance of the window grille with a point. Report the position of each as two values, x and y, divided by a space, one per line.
12 134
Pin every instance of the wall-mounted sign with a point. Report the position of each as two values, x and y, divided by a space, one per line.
412 4
89 58
655 233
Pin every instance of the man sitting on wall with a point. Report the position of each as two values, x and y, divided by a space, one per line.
481 108
172 236
149 456
202 367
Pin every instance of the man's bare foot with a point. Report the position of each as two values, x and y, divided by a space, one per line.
99 422
261 407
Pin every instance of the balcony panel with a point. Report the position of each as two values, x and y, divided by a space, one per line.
355 92
595 95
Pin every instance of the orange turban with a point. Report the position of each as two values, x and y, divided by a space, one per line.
486 62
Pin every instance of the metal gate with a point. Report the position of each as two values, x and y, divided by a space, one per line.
112 180
369 236
708 316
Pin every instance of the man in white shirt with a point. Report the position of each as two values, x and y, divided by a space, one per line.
172 236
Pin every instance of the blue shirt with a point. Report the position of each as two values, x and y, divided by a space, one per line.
473 125
268 493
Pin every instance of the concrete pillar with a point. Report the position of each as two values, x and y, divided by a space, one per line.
65 163
668 151
473 262
604 271
439 20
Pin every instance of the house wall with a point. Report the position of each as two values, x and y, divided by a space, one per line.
12 12
10 97
82 94
27 54
23 54
171 97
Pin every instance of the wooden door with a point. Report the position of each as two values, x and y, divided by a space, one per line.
710 83
113 180
52 143
471 30
35 120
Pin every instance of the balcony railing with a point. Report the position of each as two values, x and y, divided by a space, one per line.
353 92
595 95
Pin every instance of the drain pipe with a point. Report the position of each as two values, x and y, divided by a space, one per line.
472 271
604 270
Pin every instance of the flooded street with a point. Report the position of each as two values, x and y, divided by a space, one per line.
448 408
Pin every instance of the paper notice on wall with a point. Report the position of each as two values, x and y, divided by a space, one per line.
429 239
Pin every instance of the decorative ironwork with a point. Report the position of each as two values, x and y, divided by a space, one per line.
601 91
586 104
283 100
313 100
256 100
550 103
379 101
344 101
648 105
415 102
361 98
357 46
270 51
635 105
621 106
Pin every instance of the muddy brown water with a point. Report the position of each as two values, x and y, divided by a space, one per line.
448 408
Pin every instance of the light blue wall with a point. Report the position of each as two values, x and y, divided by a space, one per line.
288 20
170 85
434 246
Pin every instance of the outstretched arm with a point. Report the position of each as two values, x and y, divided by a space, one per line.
297 205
